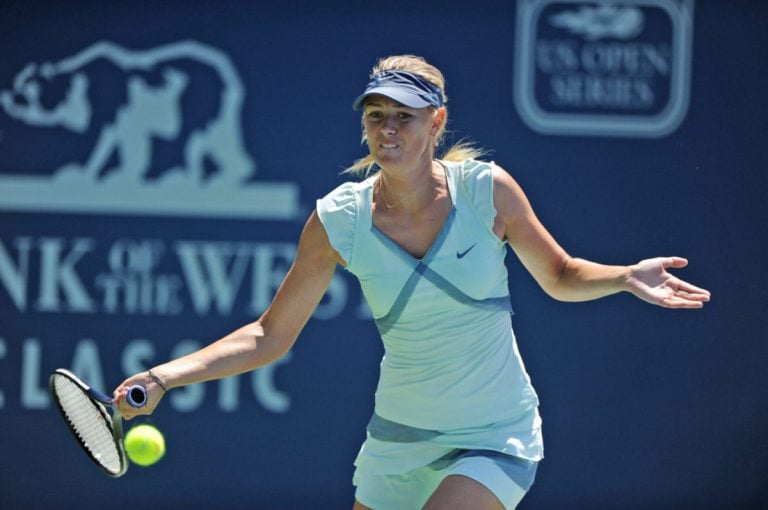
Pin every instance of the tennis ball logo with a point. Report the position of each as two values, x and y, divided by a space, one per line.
144 445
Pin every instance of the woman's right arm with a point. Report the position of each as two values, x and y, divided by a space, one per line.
258 343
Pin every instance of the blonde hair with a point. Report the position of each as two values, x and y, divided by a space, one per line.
459 151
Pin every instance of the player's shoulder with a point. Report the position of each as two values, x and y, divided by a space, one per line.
347 191
339 212
508 196
469 169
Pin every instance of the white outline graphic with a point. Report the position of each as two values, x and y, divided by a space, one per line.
152 111
588 124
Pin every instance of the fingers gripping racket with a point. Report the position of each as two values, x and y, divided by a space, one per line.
94 419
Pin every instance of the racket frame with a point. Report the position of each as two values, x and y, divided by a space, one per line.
102 402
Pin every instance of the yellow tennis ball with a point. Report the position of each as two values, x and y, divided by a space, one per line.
144 445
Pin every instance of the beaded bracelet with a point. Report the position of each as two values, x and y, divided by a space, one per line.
157 379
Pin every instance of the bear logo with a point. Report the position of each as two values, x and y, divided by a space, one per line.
171 112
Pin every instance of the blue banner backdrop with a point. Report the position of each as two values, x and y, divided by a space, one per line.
157 162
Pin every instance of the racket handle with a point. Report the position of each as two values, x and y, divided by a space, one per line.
137 396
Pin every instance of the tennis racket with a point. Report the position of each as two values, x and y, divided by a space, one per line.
94 419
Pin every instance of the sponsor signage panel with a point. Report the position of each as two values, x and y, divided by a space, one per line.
610 68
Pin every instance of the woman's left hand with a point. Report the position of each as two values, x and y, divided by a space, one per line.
650 281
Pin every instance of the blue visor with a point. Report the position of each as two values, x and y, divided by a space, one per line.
405 88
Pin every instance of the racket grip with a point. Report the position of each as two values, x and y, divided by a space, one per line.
137 396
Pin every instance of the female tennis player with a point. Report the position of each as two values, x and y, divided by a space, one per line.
456 422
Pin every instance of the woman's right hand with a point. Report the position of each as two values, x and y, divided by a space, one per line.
154 391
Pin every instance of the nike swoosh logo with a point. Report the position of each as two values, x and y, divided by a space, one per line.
460 254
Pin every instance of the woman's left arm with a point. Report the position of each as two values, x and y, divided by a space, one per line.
572 279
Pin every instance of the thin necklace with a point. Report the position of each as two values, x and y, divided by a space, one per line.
398 202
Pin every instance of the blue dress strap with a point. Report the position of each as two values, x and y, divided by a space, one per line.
421 269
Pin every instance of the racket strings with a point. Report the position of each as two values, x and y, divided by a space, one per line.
90 423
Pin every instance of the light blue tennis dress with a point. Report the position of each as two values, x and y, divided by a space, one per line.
452 381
